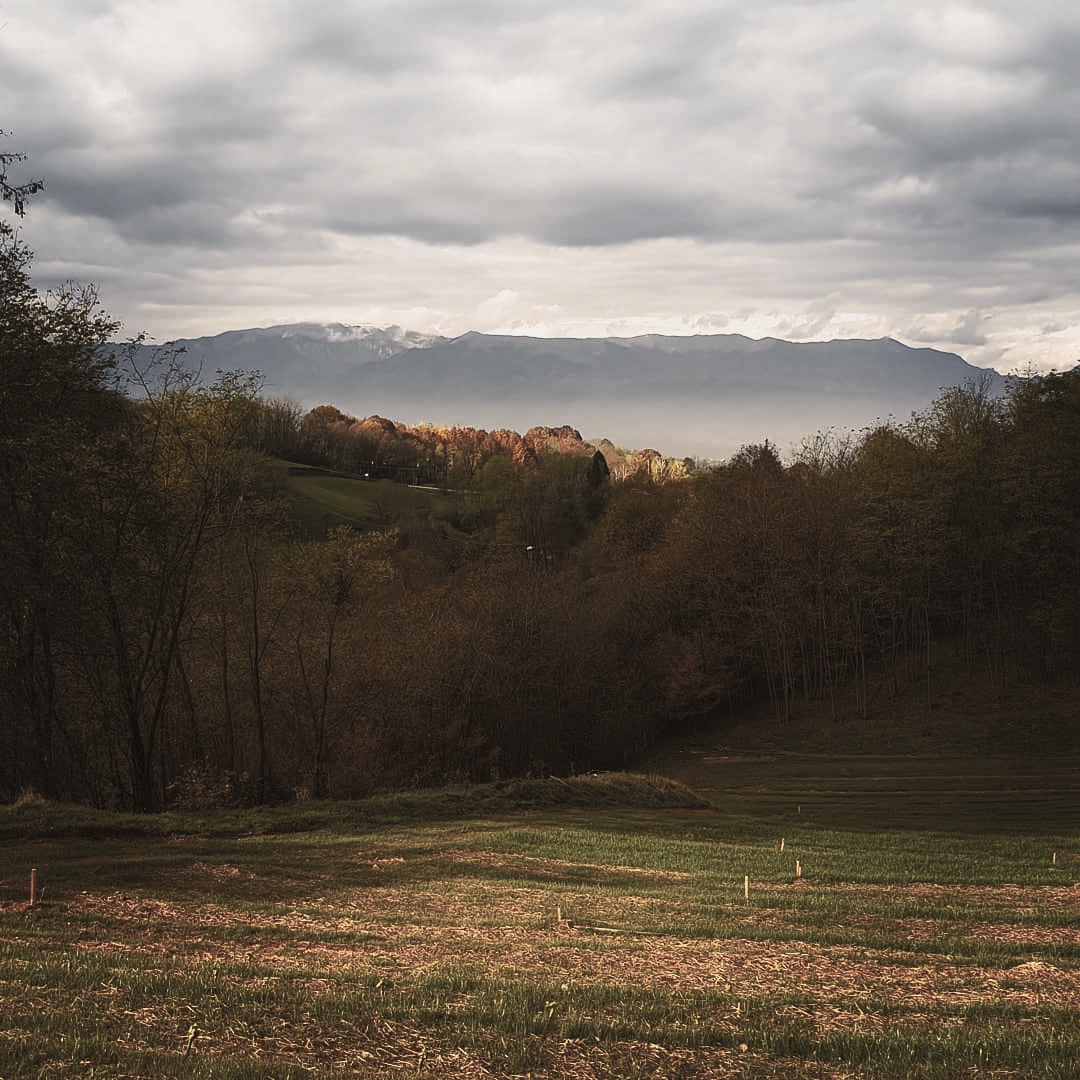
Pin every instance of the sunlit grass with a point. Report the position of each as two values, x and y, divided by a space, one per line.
438 933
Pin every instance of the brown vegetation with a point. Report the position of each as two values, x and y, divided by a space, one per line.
166 636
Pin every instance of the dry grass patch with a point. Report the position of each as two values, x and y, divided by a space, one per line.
428 951
364 945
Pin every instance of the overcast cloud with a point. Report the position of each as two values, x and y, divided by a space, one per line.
804 170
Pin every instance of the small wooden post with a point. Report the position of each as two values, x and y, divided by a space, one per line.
1055 858
798 869
33 886
746 887
781 843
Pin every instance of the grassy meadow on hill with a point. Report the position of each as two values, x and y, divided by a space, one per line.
604 926
323 499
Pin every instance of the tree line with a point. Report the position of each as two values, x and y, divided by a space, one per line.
168 638
377 448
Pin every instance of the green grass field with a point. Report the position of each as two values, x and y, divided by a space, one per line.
323 499
598 927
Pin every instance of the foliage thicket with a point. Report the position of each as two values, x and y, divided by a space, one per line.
167 639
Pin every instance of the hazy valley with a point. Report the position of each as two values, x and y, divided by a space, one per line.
700 396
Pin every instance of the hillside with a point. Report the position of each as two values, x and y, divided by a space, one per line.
966 757
551 618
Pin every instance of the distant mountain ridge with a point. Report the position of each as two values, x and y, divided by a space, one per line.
702 395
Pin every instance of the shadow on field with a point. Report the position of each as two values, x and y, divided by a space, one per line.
896 792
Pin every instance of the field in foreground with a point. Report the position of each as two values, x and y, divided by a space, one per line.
596 928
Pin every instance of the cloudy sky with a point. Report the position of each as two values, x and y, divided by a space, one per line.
803 170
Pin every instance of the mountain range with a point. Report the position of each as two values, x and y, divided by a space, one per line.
701 396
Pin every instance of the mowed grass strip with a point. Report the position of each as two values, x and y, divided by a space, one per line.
591 941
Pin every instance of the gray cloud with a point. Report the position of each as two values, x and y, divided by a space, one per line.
615 216
910 165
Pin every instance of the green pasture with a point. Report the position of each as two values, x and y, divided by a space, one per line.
599 926
323 500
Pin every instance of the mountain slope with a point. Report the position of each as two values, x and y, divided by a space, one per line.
703 395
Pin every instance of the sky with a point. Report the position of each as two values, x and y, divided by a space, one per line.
807 170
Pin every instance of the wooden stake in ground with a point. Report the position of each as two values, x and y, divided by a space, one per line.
746 887
798 869
33 886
